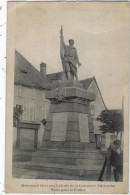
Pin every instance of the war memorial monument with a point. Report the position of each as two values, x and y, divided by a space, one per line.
68 147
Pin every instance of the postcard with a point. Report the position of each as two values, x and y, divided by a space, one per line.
67 97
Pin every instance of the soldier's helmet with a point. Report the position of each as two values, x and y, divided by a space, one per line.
71 41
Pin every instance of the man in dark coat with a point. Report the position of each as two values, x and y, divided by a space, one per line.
116 160
113 158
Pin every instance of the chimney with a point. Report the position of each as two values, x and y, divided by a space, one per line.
43 69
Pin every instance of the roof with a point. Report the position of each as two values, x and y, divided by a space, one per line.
26 74
117 111
55 76
58 76
86 82
100 93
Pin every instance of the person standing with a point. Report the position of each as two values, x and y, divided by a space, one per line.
116 160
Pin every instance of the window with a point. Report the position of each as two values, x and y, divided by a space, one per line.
33 94
92 107
43 112
24 115
28 113
32 114
45 109
43 96
18 91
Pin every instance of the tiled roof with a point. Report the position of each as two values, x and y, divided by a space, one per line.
55 76
26 74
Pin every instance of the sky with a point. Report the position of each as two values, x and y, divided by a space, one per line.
100 31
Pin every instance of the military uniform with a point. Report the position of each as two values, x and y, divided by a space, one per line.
70 59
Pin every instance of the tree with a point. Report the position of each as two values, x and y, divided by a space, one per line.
112 121
18 110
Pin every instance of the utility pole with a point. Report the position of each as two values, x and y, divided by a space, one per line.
122 132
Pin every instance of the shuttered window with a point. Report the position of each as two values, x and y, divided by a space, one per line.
92 110
24 116
43 112
33 94
28 113
18 91
32 114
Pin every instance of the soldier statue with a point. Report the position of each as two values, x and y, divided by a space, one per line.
69 58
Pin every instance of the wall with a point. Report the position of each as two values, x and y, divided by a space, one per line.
96 106
33 101
35 106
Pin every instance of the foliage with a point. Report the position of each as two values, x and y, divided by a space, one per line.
18 110
112 121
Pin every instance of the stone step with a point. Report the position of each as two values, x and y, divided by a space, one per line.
80 150
59 168
91 155
64 148
89 160
22 157
67 160
67 145
31 174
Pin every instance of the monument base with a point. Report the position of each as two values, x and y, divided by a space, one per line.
68 146
68 149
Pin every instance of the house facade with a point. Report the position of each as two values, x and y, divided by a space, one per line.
35 106
30 87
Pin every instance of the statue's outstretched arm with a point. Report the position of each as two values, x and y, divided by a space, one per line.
61 36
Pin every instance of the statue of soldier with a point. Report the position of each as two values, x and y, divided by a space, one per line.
69 58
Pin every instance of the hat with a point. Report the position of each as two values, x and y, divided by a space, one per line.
71 40
117 142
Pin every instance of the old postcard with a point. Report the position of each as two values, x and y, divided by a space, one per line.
67 97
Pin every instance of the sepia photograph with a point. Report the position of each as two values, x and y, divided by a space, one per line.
67 96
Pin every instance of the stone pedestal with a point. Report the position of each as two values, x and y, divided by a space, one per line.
27 135
69 123
68 149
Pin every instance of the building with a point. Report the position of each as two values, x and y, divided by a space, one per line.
98 105
30 87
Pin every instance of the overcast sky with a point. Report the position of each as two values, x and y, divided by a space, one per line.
100 31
